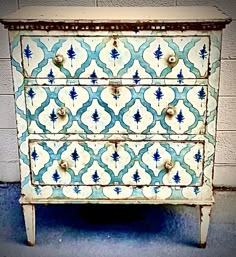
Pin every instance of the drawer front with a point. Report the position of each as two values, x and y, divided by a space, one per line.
107 109
134 58
117 163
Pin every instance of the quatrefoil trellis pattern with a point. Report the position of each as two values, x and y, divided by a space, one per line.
104 109
98 57
122 163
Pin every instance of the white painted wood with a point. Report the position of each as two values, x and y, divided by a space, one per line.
6 86
205 211
83 190
227 113
228 45
136 3
7 112
225 147
29 217
227 80
119 14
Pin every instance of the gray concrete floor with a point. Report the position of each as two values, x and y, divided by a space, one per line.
116 230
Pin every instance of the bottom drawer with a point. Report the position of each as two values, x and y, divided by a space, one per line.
136 163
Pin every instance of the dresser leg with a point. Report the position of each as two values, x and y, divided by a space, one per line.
205 211
29 216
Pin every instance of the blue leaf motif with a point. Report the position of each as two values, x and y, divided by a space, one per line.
71 54
95 177
115 157
137 117
117 190
56 176
73 94
31 94
53 117
156 190
114 54
34 156
180 118
196 190
158 53
77 190
158 95
28 53
51 76
136 77
198 157
176 178
156 157
136 177
95 116
180 77
203 52
37 190
93 77
201 94
75 156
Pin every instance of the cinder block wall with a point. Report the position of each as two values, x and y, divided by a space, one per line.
225 167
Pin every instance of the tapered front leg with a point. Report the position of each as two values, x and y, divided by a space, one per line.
29 216
205 211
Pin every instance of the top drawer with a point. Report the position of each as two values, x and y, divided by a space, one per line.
130 57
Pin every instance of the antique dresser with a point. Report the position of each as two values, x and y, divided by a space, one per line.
116 105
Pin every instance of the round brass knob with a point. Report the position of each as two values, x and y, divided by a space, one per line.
170 111
58 59
168 165
172 59
61 111
64 164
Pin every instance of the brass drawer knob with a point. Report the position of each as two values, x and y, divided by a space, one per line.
170 111
58 59
61 111
168 165
64 165
172 59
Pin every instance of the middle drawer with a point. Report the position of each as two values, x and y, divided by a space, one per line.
116 109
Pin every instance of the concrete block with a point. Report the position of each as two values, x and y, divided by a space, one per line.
4 45
56 3
7 112
228 44
227 80
227 6
227 113
224 175
136 3
7 7
9 171
6 85
225 147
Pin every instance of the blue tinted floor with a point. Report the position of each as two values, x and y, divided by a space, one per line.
109 230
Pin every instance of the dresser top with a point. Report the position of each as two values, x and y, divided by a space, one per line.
119 14
116 15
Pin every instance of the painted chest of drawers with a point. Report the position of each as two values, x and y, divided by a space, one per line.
116 105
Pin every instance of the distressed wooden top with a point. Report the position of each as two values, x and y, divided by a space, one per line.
125 18
118 14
